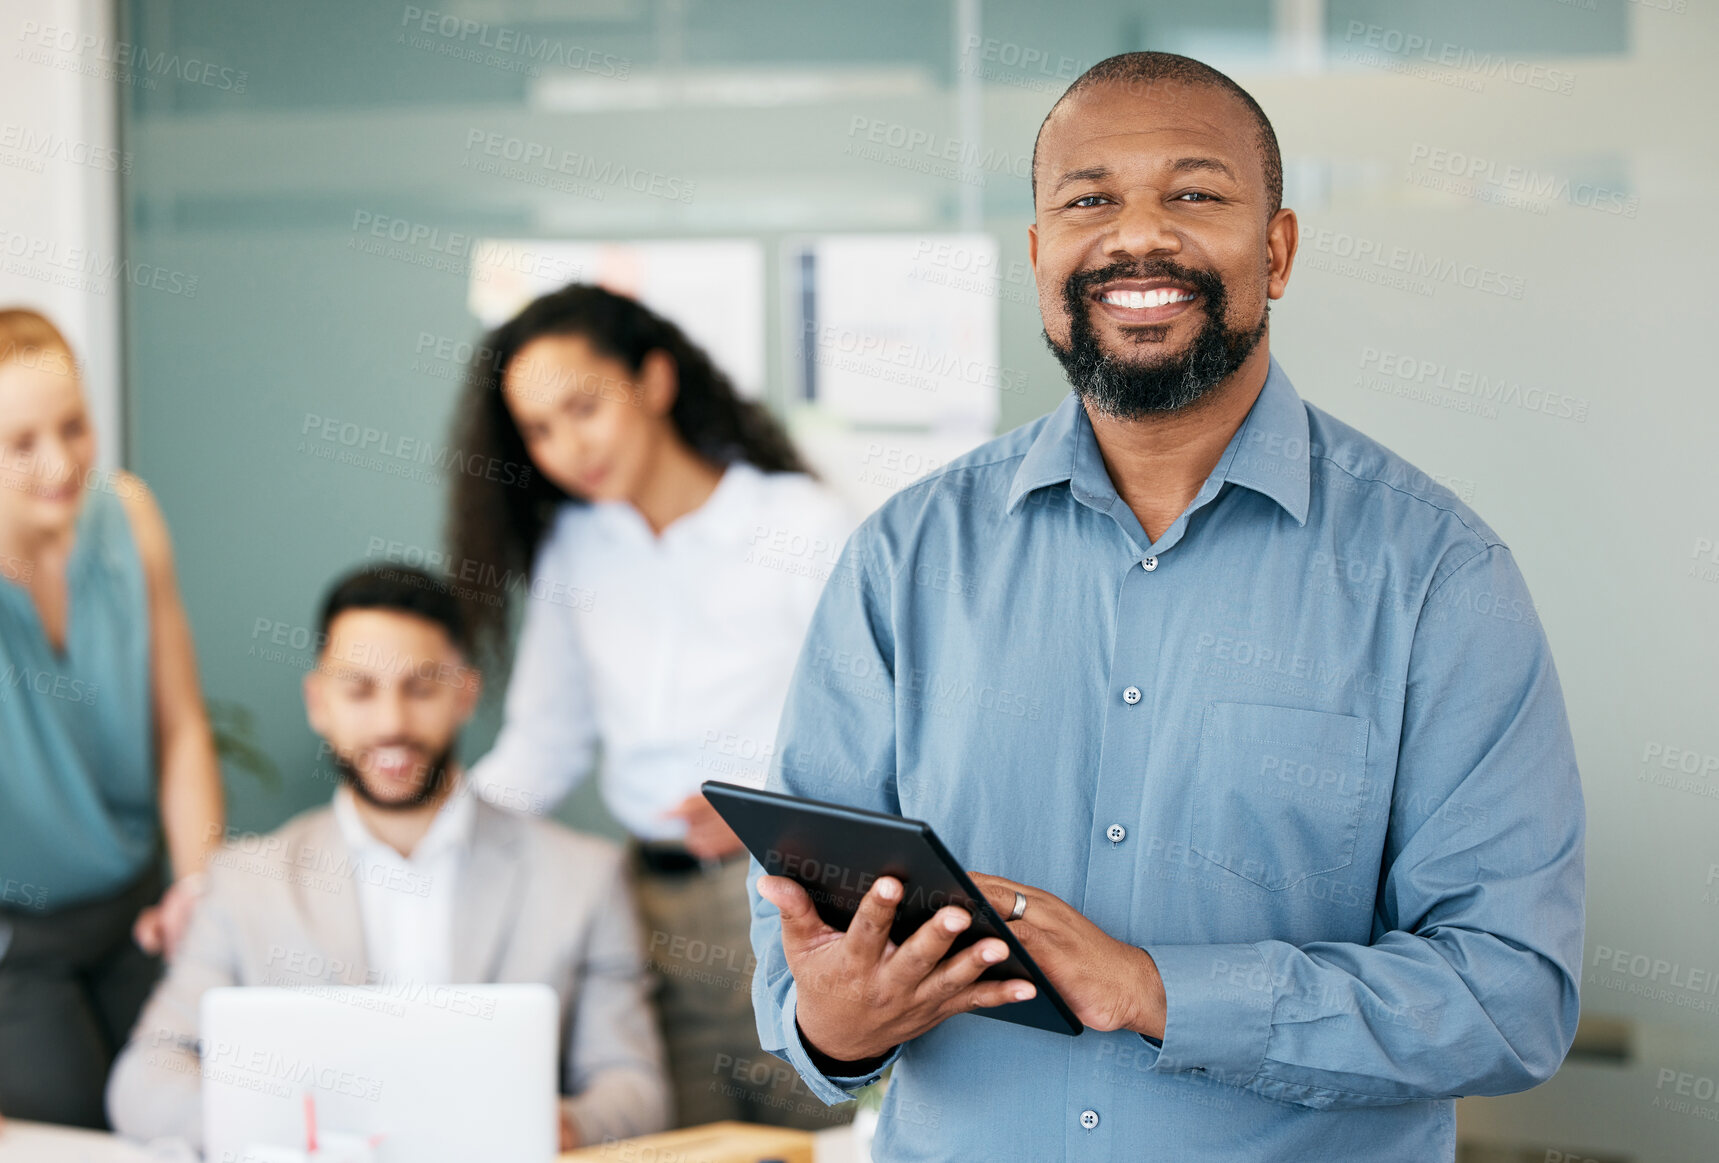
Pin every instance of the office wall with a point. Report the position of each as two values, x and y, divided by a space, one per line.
1503 276
60 169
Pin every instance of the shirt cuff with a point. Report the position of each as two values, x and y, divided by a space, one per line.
828 1089
1218 1006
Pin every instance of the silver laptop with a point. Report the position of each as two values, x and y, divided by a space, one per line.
383 1074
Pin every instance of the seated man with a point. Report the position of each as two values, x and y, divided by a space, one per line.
408 878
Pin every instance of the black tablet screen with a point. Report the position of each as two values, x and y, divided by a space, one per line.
837 852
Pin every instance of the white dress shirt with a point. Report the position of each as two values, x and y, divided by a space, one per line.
673 651
407 902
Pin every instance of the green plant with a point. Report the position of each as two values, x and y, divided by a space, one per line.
235 730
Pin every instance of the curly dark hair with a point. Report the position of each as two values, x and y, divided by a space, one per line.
493 527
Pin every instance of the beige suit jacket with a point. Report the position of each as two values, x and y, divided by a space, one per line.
535 902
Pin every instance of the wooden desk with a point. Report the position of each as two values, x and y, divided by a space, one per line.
712 1143
42 1143
727 1142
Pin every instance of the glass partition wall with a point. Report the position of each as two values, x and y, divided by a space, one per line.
1502 208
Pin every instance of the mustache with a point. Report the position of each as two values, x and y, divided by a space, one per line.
435 770
1162 381
1206 283
400 741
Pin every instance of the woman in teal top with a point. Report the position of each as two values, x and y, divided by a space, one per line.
104 744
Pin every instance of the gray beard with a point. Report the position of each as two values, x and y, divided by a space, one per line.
1129 390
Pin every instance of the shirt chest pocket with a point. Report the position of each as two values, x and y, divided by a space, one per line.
1278 791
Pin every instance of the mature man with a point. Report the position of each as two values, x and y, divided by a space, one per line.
409 880
1257 722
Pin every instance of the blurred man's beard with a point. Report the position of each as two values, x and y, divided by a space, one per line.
435 775
1130 389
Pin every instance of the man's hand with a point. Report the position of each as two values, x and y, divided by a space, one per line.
1108 985
707 836
860 994
569 1134
161 927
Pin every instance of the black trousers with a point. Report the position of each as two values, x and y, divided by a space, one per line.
71 984
697 943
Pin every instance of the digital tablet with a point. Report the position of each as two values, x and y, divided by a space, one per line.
836 852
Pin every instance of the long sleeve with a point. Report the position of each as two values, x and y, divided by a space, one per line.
614 1062
548 739
836 742
1469 985
155 1089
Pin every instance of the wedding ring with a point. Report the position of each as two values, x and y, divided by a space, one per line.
1020 909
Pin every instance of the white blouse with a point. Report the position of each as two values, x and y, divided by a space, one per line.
673 651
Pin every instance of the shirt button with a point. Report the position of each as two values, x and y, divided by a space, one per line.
1089 1118
1150 564
1131 695
1116 833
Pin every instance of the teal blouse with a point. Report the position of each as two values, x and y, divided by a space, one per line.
78 806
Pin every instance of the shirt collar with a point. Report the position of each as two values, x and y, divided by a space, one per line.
732 507
1050 457
724 515
451 829
1268 453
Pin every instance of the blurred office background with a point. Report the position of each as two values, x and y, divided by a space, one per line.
273 229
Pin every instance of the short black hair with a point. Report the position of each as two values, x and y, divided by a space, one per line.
1143 68
400 589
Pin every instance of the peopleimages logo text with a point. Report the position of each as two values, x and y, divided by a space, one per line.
1419 264
1399 45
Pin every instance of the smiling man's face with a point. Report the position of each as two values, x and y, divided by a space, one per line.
1154 247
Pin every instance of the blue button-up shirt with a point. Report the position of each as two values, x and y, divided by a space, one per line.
1307 748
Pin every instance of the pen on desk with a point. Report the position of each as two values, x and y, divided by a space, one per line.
310 1122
